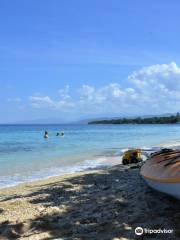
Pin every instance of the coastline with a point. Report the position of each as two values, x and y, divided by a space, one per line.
28 157
95 162
105 203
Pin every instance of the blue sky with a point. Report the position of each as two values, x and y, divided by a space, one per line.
72 59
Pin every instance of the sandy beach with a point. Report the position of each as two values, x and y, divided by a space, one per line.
107 203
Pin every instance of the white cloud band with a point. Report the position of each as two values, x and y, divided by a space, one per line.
153 89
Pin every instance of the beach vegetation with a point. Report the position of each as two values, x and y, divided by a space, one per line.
139 120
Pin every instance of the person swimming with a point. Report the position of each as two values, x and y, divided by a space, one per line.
46 134
60 134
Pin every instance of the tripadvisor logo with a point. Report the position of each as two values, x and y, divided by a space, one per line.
139 231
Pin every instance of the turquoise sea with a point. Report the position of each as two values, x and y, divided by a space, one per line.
25 155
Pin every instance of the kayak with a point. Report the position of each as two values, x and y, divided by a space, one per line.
162 172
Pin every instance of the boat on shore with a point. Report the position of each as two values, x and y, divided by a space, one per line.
162 172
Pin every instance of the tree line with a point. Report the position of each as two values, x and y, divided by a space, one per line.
139 120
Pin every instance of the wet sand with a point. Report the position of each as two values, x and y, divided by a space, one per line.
107 204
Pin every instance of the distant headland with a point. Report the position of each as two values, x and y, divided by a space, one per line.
139 120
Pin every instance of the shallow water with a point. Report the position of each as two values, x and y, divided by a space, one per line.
25 155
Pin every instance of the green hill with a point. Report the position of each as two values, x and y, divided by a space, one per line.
149 120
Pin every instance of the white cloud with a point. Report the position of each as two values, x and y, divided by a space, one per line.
47 102
64 93
153 89
41 101
158 85
87 92
164 75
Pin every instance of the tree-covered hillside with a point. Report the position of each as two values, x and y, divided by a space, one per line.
150 120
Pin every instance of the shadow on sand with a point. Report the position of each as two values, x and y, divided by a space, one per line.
105 205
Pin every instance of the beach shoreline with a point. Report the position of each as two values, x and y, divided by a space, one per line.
91 163
105 203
